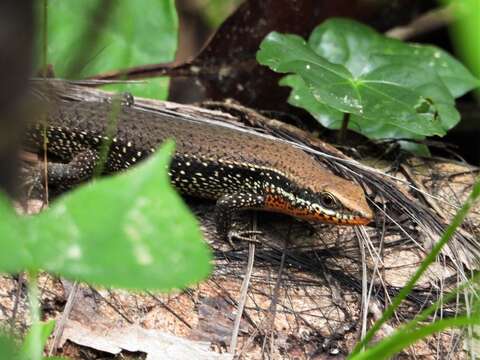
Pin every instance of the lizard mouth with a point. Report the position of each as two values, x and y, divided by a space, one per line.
345 220
354 220
276 204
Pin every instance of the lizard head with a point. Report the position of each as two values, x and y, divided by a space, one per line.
344 204
336 201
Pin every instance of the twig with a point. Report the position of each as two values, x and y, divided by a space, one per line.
430 21
244 290
44 118
113 306
20 283
57 335
170 310
431 201
429 259
273 305
361 246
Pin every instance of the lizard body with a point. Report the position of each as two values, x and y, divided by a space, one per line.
238 170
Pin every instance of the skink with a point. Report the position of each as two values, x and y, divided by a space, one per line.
238 170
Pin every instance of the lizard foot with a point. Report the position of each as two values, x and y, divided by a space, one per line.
245 235
31 183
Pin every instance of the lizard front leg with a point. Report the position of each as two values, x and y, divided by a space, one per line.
227 205
66 175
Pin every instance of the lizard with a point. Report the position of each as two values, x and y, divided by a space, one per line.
239 170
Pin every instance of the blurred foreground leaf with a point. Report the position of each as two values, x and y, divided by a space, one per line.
131 230
135 33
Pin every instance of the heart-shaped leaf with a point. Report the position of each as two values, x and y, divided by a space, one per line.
333 85
391 89
131 230
361 49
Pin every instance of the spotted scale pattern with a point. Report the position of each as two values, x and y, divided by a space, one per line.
239 170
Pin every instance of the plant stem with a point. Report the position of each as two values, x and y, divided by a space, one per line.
35 350
44 74
343 131
112 122
400 340
45 38
414 326
449 232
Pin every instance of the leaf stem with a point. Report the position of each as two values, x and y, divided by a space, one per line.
343 131
44 37
35 348
110 131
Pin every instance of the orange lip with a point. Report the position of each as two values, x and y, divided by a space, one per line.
277 204
359 221
338 221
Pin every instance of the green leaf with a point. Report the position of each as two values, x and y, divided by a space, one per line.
135 33
361 49
465 33
131 230
329 83
330 118
402 338
415 148
371 97
302 97
8 349
14 254
45 329
392 89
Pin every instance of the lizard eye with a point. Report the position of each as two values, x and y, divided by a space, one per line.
328 200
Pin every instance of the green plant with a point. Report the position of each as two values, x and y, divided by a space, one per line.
412 331
32 346
466 34
131 230
7 348
348 74
85 38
